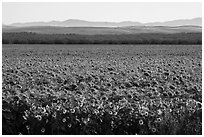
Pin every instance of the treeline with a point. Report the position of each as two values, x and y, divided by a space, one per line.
144 38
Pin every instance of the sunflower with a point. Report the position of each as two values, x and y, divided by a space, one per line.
154 130
64 120
141 122
43 130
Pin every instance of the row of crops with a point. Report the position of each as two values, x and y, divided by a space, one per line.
101 90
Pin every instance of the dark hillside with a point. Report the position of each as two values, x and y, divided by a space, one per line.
143 38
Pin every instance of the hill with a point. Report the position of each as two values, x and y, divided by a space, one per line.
83 23
104 30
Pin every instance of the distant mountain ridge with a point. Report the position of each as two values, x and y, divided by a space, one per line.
104 30
83 23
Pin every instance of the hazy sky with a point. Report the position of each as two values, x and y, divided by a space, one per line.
141 12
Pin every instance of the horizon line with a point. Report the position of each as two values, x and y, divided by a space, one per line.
99 21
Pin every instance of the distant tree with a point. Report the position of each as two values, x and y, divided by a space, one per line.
5 41
145 38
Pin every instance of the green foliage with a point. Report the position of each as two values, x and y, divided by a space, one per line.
143 38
